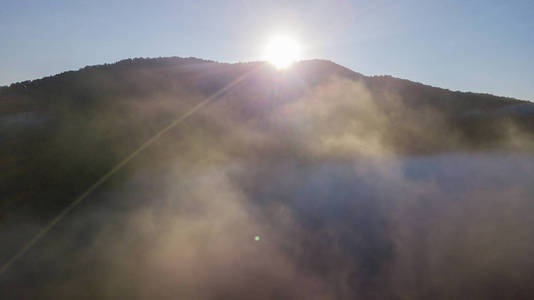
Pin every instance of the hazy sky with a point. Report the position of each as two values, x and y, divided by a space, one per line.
480 45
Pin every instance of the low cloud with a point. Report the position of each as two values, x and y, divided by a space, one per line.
325 180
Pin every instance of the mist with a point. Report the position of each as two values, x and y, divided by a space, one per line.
353 193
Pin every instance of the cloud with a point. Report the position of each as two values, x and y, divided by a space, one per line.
323 180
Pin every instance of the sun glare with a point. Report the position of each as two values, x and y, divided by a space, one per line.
282 51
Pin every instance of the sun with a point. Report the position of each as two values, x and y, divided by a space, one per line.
282 51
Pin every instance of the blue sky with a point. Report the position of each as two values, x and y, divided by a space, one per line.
480 46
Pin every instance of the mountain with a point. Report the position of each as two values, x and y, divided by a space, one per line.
60 134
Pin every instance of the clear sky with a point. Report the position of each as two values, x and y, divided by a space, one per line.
479 45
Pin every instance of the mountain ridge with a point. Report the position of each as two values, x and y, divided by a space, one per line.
144 61
77 124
